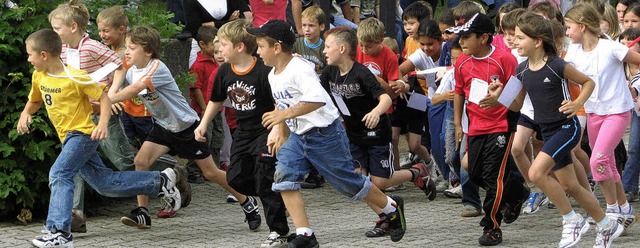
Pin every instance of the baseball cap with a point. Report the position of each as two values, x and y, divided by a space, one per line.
277 29
479 23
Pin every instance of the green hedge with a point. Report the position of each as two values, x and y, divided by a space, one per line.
25 159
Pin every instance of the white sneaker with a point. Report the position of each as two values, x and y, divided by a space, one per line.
409 160
274 240
455 192
231 199
53 240
572 231
534 202
605 236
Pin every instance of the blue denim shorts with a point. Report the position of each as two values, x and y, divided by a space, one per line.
327 150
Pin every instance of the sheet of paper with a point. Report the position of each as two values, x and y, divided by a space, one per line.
478 91
103 72
341 105
418 101
510 91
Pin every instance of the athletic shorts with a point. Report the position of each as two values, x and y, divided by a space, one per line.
408 120
559 139
527 122
378 160
184 143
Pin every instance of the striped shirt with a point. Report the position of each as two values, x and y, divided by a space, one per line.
93 56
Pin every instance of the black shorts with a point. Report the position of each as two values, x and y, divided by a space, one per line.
559 139
527 122
184 143
378 159
408 119
252 167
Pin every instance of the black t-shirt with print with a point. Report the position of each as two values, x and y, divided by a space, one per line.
359 90
546 87
249 93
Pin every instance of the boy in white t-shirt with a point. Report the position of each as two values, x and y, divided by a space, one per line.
317 138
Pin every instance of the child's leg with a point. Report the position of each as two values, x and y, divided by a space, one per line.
212 173
395 139
522 159
147 155
414 146
605 132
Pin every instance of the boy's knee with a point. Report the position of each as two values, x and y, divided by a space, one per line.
380 182
142 163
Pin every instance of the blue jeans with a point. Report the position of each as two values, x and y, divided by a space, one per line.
341 21
451 156
470 191
79 155
327 150
435 115
632 168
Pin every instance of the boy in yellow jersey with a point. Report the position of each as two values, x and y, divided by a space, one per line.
66 91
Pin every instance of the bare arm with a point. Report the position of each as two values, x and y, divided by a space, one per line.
632 57
372 118
346 11
210 111
270 119
571 107
296 10
100 132
25 117
440 98
458 104
197 95
128 92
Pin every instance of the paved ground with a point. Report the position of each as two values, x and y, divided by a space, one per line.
210 222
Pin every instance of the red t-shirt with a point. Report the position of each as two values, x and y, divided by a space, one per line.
203 69
495 119
263 12
384 65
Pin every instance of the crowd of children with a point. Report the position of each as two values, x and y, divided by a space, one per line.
499 104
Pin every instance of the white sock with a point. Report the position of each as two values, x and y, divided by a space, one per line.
625 208
304 231
569 216
613 208
604 222
390 208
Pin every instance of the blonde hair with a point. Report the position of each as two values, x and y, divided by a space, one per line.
147 38
73 11
392 44
314 13
611 17
587 15
236 32
114 17
371 30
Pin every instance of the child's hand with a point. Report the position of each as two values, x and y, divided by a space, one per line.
100 132
448 95
371 119
116 108
200 132
491 99
23 123
275 139
273 118
569 108
458 136
234 15
399 87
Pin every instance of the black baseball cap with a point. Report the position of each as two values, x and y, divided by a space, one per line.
277 29
479 23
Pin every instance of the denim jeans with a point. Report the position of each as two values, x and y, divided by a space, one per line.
470 191
435 114
341 21
327 150
632 168
79 156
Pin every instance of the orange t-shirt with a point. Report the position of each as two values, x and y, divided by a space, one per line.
132 106
574 91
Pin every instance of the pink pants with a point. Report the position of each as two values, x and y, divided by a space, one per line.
605 132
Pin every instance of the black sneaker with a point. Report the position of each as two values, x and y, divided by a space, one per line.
252 214
313 182
397 225
302 241
139 217
512 210
491 237
381 228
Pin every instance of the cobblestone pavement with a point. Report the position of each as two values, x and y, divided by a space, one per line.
210 222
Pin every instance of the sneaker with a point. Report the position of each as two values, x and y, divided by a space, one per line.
550 205
572 231
593 184
183 186
397 225
381 228
231 199
395 188
252 214
53 240
455 192
407 161
632 196
78 222
605 236
491 237
629 220
534 202
274 240
166 212
424 181
139 217
433 171
442 185
471 211
302 241
168 191
512 210
313 182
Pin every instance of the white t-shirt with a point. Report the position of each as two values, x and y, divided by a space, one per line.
605 67
300 83
448 83
422 61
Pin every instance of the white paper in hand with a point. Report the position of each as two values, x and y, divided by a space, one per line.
342 106
510 91
479 89
418 101
103 72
